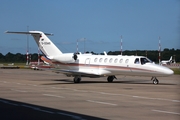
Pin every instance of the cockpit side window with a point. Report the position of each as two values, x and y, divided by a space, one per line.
145 60
142 61
136 61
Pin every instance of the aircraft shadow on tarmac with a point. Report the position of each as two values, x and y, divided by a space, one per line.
69 81
14 110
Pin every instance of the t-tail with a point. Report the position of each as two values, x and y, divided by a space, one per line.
46 46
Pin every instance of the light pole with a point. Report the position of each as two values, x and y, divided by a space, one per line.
82 39
84 45
174 59
159 51
121 44
27 52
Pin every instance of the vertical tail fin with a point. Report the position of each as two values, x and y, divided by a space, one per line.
170 59
44 43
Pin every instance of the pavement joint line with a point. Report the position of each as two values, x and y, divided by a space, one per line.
161 111
141 97
101 102
18 90
54 95
156 98
70 89
20 83
32 85
80 90
62 88
114 94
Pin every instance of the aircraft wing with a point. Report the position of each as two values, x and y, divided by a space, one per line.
83 73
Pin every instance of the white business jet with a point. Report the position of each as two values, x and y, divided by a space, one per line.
88 65
166 62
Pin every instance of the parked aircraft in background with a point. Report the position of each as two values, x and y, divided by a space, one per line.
88 65
166 62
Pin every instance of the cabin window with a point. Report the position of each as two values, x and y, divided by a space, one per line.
105 60
115 61
100 60
95 60
136 61
121 60
127 60
111 60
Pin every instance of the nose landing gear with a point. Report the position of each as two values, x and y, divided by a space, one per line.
77 79
155 80
111 78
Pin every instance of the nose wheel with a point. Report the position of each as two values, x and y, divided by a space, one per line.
155 80
111 78
77 79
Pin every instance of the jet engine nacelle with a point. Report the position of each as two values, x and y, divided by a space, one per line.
65 58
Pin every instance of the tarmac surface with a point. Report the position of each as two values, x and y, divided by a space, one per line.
44 95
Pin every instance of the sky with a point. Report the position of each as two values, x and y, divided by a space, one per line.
97 25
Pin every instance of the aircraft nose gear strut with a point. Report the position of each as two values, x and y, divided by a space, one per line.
155 80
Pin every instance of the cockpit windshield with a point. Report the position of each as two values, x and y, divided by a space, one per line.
145 60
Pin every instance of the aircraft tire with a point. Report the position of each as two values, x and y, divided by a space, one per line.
155 81
77 79
110 78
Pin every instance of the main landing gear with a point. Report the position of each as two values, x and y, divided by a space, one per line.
111 78
77 79
155 80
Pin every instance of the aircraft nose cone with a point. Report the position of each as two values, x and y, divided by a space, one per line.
169 72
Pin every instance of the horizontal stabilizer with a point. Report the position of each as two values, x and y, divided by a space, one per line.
28 32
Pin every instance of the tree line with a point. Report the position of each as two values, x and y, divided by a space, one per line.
151 54
17 58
